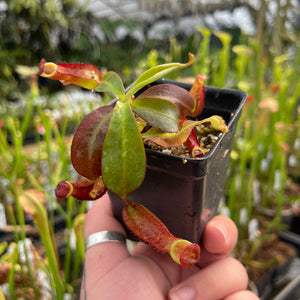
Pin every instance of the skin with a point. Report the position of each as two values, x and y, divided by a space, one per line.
111 272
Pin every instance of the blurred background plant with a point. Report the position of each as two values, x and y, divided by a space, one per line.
247 45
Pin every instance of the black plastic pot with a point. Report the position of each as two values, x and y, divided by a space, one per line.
291 291
281 282
185 193
291 238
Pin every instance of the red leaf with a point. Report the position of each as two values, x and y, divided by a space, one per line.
173 93
166 139
87 144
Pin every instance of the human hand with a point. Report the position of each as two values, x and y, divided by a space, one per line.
111 272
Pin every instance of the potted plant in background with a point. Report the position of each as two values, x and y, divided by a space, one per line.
112 149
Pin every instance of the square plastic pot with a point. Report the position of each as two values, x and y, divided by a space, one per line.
185 193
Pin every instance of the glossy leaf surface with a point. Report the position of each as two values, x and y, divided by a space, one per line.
173 93
87 144
159 113
166 139
123 161
111 85
155 73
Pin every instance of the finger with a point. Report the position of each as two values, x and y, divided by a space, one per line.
164 260
219 239
101 258
220 235
245 295
100 217
228 275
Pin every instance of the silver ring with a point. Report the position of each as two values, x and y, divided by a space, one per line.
104 236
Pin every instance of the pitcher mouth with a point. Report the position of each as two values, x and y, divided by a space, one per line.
47 69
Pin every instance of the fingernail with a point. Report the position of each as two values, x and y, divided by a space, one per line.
182 293
223 232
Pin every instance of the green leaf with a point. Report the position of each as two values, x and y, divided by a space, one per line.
112 85
3 247
166 139
155 73
159 113
123 160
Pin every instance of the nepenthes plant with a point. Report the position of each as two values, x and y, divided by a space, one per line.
108 147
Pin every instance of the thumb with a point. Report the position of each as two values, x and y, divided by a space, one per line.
103 257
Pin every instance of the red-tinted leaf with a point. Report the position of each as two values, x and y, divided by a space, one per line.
87 144
173 93
166 139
